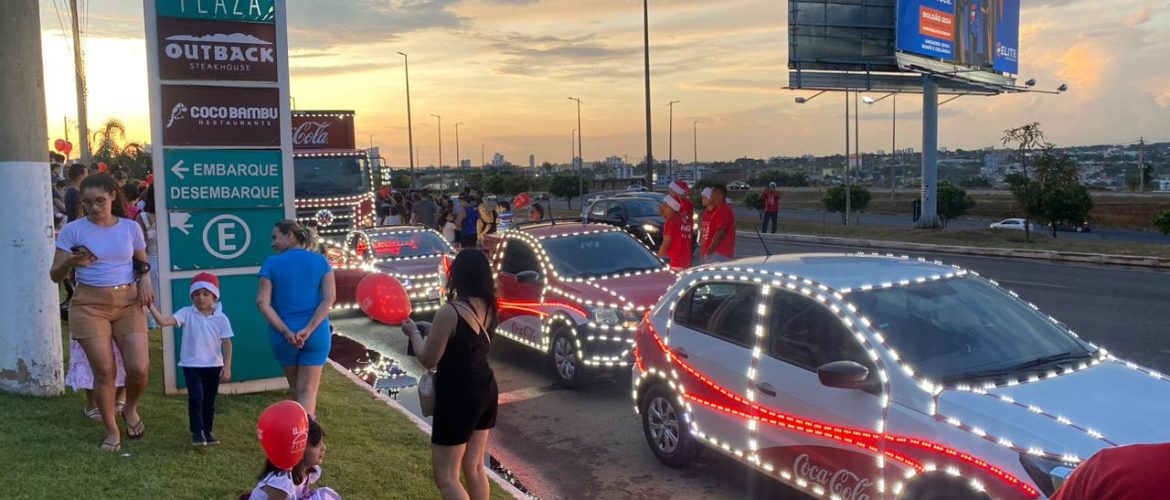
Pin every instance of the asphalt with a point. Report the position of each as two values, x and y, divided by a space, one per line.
588 443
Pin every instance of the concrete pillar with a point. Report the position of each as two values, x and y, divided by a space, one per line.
30 327
929 218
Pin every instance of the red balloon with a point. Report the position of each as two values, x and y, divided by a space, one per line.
283 430
150 178
67 148
59 145
521 200
102 167
383 299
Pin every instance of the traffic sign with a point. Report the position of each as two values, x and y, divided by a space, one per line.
252 352
209 239
223 178
255 11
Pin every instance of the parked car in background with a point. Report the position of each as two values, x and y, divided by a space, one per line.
411 254
636 188
1015 224
738 186
540 197
636 214
1083 227
856 376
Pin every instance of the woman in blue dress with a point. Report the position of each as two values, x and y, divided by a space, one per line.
295 294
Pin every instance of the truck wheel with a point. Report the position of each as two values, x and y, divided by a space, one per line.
566 365
665 430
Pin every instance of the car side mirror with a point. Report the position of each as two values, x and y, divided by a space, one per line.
525 277
843 375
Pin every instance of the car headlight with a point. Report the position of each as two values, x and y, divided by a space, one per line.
650 228
611 316
1047 474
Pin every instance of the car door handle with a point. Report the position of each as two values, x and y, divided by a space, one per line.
766 388
682 353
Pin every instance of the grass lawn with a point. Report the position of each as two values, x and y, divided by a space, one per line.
50 450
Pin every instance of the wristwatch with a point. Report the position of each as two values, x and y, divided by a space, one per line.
141 267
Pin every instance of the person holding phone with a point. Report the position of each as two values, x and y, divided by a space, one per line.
108 253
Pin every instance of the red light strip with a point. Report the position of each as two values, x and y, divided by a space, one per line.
832 432
535 307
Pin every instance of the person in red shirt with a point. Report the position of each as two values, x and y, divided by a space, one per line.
676 235
771 207
718 230
1124 473
681 192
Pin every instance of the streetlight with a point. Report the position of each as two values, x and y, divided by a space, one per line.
580 154
440 139
893 134
458 159
409 123
695 142
802 100
646 61
573 148
670 147
372 140
848 179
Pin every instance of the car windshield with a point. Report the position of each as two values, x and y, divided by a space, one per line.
599 254
393 245
966 328
345 175
640 207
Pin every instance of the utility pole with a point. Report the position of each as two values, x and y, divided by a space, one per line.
893 145
670 142
580 156
82 99
696 144
409 122
848 185
857 130
573 148
646 58
1142 164
482 162
458 159
440 140
30 326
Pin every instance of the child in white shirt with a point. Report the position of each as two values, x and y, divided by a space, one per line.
206 331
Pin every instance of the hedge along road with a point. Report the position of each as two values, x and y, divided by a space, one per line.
588 443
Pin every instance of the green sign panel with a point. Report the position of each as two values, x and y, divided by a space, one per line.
254 11
223 178
210 239
252 353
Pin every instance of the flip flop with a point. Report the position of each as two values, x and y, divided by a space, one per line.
93 414
119 406
110 447
135 431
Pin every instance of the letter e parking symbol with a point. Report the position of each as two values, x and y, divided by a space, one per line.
223 243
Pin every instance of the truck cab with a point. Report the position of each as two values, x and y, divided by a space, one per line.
334 182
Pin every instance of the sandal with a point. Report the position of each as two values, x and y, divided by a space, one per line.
118 407
137 430
93 414
111 447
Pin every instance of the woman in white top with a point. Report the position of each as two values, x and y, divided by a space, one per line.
108 253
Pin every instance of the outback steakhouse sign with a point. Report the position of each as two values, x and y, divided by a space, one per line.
214 50
220 116
323 130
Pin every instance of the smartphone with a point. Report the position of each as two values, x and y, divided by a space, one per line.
84 250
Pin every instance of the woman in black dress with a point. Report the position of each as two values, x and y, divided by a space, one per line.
465 388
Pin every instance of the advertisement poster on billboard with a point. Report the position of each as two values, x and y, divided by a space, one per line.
976 33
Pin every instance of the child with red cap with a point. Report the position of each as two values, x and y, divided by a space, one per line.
205 353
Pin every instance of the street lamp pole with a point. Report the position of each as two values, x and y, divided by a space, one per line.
695 142
893 134
573 148
580 154
440 140
409 122
646 60
848 178
670 142
458 159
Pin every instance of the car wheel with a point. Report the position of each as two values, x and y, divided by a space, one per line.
665 430
566 365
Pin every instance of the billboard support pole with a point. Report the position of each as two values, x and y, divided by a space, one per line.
929 218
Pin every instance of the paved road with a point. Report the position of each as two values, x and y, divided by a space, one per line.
588 443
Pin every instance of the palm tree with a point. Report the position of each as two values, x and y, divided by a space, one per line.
115 150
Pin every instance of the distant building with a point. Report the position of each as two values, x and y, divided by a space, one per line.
497 160
1163 185
464 163
531 161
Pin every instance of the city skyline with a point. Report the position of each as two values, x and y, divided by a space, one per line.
504 66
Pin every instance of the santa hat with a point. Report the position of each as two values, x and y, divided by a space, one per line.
671 202
205 281
680 186
707 192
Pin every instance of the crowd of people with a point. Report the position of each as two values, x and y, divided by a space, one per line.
463 219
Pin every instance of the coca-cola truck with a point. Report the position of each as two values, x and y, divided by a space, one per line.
334 182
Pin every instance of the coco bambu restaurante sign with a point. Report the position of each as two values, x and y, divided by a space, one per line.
221 128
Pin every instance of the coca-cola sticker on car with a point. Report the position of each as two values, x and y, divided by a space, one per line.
191 49
220 116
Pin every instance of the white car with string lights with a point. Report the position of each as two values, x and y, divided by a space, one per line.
411 254
576 292
854 376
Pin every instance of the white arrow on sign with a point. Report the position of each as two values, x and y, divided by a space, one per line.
179 170
179 221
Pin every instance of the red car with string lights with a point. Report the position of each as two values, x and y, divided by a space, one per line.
411 254
574 291
853 376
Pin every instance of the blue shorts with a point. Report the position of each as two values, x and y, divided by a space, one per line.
314 353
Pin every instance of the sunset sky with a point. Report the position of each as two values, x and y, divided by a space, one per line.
505 68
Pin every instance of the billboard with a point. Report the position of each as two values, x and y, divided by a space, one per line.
976 33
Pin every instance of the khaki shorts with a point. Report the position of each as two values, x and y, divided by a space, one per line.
105 312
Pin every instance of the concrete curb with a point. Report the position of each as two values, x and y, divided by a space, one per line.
420 423
1049 255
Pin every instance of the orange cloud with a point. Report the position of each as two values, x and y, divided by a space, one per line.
1084 66
1140 17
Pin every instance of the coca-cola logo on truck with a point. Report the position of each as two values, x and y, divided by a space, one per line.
323 130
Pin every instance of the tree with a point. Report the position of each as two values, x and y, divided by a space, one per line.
975 182
566 186
515 184
781 178
1162 222
1056 168
1054 203
495 184
834 200
754 200
953 202
113 149
1015 179
1025 138
400 181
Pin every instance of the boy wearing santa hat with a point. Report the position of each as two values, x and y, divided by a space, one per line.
676 235
205 354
